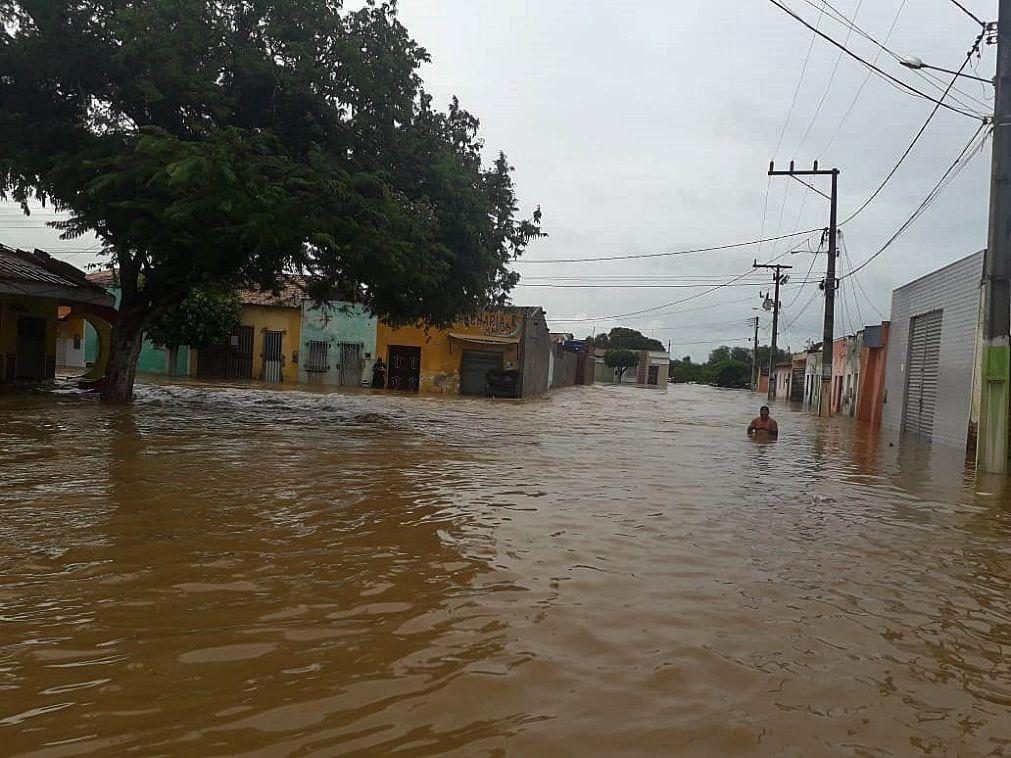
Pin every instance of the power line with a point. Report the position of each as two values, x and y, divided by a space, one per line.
800 313
640 256
963 159
927 76
807 276
916 137
867 78
639 286
715 288
856 280
910 89
782 135
969 13
828 87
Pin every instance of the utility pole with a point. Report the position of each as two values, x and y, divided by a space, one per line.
831 284
992 437
754 359
778 278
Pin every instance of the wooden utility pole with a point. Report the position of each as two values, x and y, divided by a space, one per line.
992 439
831 283
778 278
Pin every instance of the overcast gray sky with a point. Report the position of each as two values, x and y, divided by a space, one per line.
647 126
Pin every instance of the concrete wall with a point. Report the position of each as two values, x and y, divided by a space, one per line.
13 307
784 378
955 290
851 374
335 323
536 353
565 363
812 382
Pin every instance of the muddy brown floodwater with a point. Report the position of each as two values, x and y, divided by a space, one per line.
604 571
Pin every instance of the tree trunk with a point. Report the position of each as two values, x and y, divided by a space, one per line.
127 339
173 359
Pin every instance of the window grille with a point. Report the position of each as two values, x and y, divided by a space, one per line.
317 356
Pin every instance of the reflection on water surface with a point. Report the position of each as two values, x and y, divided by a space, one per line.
605 570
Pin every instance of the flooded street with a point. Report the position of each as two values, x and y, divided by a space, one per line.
602 571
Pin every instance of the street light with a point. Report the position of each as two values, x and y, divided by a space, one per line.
915 63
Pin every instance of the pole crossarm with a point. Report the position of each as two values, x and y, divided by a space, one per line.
831 282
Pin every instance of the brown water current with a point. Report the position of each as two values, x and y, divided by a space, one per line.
604 571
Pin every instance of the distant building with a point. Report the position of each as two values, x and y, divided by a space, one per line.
932 354
651 371
812 378
512 343
784 380
44 304
845 374
265 344
338 344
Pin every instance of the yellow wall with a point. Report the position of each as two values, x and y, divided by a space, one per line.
440 355
72 326
287 320
14 306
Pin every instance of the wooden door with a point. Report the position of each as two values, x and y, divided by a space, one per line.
404 369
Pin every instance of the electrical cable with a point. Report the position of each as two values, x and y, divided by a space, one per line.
969 13
856 280
916 138
908 88
828 87
963 159
863 84
641 256
926 76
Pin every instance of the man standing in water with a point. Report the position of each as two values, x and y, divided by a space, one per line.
764 424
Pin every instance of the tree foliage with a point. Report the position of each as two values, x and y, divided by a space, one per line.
621 360
683 371
205 318
728 373
229 142
621 338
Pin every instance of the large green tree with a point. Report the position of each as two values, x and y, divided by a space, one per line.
229 142
621 361
622 338
206 317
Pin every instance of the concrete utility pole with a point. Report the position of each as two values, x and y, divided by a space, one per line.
992 438
831 284
778 278
754 359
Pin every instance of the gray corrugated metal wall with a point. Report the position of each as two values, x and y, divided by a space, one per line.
955 290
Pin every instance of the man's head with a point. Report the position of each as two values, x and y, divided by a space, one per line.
764 412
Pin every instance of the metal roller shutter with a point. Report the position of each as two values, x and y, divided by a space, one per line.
474 370
922 374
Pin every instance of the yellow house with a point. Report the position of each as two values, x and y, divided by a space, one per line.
458 360
42 298
265 343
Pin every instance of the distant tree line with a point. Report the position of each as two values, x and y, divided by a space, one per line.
726 367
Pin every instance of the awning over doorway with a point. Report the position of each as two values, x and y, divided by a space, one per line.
484 340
